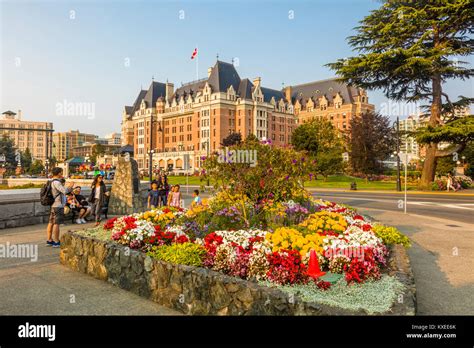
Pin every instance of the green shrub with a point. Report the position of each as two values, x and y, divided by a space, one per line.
185 254
390 235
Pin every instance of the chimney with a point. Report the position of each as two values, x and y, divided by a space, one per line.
169 90
257 81
287 92
19 115
209 71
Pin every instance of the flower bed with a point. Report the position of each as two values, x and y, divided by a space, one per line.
303 246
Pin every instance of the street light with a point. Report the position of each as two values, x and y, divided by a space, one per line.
208 152
399 183
150 167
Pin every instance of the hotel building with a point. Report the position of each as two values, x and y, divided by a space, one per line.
64 142
36 136
181 125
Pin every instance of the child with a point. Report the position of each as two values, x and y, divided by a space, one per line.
153 196
197 200
174 198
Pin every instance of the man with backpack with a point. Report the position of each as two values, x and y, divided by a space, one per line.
54 193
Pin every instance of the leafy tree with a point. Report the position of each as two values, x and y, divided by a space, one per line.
371 140
36 167
322 142
97 150
232 139
26 160
7 149
275 173
408 49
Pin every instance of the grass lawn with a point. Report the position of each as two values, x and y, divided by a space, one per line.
25 186
334 181
344 182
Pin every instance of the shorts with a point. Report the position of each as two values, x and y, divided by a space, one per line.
56 217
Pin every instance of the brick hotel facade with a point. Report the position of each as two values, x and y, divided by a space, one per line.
192 120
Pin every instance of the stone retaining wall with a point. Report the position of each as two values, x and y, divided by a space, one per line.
200 291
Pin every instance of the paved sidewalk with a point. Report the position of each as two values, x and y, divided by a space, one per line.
442 258
45 287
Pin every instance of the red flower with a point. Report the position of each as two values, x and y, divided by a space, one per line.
286 267
110 224
358 217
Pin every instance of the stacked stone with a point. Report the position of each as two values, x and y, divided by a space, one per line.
125 198
194 290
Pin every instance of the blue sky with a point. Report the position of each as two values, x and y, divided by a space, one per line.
98 54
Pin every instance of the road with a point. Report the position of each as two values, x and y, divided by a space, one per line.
455 207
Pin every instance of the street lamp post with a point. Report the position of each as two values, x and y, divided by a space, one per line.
208 152
150 166
399 184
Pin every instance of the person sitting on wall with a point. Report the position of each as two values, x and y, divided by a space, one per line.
79 204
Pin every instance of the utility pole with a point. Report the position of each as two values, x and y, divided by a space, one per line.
399 184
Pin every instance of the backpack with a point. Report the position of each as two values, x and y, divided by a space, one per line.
46 194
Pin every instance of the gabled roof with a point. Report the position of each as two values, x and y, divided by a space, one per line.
156 90
223 75
268 93
136 104
245 89
329 88
189 88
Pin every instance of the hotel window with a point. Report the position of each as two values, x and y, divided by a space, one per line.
343 115
239 122
214 132
173 138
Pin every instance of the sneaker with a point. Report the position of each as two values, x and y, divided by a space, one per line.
79 221
56 244
49 242
84 221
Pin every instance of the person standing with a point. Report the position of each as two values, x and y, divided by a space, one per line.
98 196
153 196
450 183
175 197
163 188
56 216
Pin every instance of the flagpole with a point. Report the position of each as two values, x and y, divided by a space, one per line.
197 63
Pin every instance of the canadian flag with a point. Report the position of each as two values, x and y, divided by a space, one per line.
195 53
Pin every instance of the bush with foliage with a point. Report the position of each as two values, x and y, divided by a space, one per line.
391 235
181 253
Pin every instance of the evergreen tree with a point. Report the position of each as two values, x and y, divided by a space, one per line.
8 151
26 160
370 140
408 49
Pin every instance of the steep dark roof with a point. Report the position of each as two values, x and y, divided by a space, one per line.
308 90
223 75
268 93
156 90
136 104
128 109
190 88
245 89
8 112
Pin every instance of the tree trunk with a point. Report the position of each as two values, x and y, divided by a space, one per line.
429 167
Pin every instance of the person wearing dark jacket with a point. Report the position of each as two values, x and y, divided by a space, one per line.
98 196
